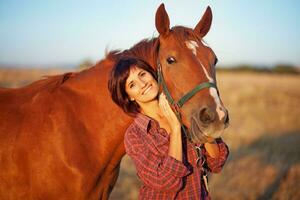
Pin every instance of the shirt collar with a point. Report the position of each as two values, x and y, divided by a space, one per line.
142 121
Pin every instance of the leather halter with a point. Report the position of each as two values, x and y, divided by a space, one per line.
178 104
176 107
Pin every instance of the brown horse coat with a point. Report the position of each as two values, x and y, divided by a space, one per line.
62 137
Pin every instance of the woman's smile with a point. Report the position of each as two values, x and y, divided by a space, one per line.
147 90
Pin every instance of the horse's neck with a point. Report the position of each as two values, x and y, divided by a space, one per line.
145 50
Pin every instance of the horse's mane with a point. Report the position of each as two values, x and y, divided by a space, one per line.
146 49
55 81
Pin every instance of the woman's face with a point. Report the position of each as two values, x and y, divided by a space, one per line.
141 86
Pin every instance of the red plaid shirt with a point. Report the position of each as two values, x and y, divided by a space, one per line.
163 176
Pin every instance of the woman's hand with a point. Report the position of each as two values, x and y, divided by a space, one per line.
175 147
212 147
168 113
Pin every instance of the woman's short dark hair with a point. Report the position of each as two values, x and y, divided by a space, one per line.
117 81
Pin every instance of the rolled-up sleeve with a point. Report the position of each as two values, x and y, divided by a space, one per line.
215 165
160 172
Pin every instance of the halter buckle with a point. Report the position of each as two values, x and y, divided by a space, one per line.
199 156
176 107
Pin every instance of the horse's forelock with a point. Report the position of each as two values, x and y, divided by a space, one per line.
182 34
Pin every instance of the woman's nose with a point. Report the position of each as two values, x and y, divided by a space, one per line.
143 83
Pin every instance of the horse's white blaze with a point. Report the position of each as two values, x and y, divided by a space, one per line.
192 45
213 92
206 74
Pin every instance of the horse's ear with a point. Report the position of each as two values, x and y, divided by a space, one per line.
204 24
162 21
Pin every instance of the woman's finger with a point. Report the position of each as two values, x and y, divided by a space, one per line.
168 112
165 105
162 104
164 101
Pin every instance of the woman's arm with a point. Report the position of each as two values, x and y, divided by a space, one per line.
163 173
212 148
175 147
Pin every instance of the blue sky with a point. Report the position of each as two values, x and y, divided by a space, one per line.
59 32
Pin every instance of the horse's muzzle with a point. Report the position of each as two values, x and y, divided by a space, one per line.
206 123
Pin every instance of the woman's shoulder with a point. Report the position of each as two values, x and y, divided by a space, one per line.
138 127
132 130
141 121
143 133
135 137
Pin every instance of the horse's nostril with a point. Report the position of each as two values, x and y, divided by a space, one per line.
206 116
226 119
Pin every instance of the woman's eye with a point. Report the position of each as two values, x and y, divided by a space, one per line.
131 85
143 74
171 60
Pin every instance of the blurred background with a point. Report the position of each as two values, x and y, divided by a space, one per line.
258 47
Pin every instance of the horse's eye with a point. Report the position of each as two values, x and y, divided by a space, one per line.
171 60
216 60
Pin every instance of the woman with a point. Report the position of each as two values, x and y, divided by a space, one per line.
165 162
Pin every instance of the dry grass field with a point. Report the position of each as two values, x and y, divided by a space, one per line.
263 137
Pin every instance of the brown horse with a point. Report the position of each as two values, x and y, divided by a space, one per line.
62 137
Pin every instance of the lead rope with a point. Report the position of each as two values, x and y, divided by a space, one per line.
176 108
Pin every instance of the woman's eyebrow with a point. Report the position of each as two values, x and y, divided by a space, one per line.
140 72
138 75
130 82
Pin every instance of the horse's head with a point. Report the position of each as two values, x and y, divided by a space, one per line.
186 62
